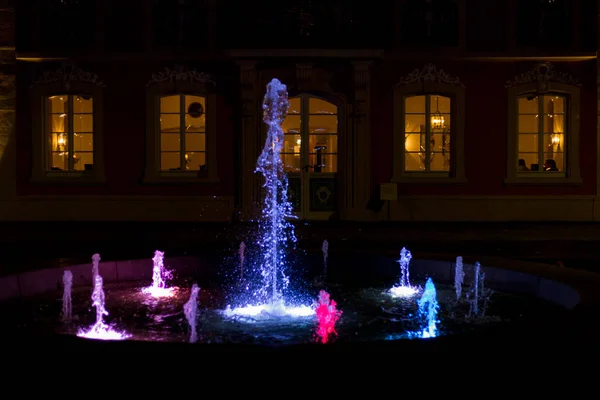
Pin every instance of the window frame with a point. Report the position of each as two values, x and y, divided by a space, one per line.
456 93
572 174
154 92
40 94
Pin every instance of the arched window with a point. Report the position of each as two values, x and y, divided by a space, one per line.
543 128
181 128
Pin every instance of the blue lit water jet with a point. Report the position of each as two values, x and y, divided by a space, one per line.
404 289
276 233
428 310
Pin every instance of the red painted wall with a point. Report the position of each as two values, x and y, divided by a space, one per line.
124 135
485 127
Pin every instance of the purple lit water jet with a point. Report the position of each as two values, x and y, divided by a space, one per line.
67 306
160 275
404 289
100 330
190 309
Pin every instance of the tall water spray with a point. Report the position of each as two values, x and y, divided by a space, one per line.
475 290
100 330
325 250
276 232
459 276
404 289
242 255
190 309
95 267
67 306
428 310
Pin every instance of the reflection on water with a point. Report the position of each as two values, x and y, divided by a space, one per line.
368 314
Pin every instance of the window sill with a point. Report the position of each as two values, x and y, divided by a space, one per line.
542 181
178 178
431 179
69 178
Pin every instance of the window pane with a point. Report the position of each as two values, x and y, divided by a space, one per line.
83 161
170 104
527 143
295 105
412 142
170 142
529 160
322 124
556 159
83 142
83 123
195 117
528 124
83 104
195 142
414 105
58 104
414 123
439 103
195 161
439 162
554 142
440 122
291 124
318 106
528 106
170 161
291 162
291 143
170 123
59 161
414 162
58 123
195 124
553 104
440 142
323 162
554 123
327 143
58 142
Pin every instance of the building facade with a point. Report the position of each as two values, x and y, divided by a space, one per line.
449 110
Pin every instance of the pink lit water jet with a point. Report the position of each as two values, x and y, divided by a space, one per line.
327 316
100 330
160 275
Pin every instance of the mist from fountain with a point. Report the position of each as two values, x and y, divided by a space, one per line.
276 233
160 276
404 289
95 267
325 250
100 330
67 305
428 310
190 309
459 276
242 255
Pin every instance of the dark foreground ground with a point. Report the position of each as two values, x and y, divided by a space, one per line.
26 246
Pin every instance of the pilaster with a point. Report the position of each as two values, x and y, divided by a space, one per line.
361 146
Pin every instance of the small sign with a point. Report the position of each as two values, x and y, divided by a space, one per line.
388 191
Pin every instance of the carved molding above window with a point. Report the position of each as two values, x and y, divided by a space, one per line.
429 73
180 73
543 74
67 73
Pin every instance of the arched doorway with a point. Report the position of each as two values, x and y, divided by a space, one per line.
310 155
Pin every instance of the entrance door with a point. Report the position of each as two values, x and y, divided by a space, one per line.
310 156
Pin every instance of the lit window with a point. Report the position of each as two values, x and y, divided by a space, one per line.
427 133
182 133
541 132
70 133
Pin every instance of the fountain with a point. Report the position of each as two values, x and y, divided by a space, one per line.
428 310
67 306
478 296
190 309
459 276
95 264
325 250
100 330
276 232
327 316
241 253
160 275
404 289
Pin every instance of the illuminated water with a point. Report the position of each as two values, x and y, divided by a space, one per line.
242 255
276 234
459 276
67 306
100 330
327 316
190 309
325 250
160 276
428 310
95 266
404 288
